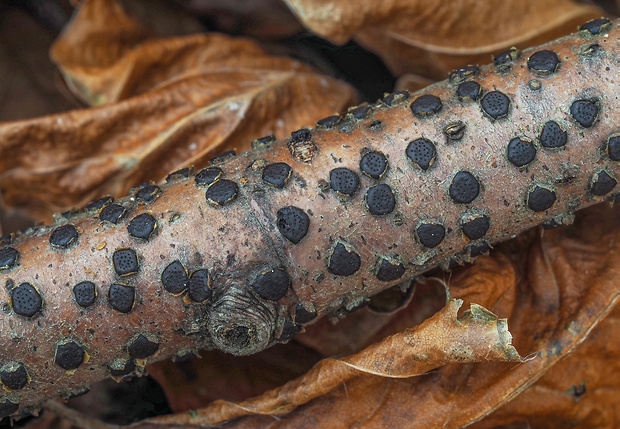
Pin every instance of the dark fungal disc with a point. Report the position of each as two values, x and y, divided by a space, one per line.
180 175
25 300
602 183
468 92
584 112
520 151
121 297
293 223
125 262
13 375
344 181
390 269
277 174
85 294
289 330
142 226
200 286
175 278
478 249
553 136
380 200
596 26
6 240
463 74
64 236
540 199
464 188
263 142
301 147
121 367
374 165
475 228
328 122
146 192
421 154
305 313
300 136
69 355
495 105
208 176
97 205
343 261
613 147
222 192
112 213
142 347
430 234
272 285
395 98
359 112
543 63
504 60
426 106
8 407
8 258
223 157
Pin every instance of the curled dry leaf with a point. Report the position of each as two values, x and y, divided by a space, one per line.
232 93
444 338
554 288
432 38
581 391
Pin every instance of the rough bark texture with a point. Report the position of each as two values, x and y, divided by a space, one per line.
261 284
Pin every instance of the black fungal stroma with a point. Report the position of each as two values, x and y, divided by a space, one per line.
8 258
344 181
374 165
390 270
380 200
430 234
540 199
520 151
272 285
584 112
121 297
85 294
200 286
552 136
495 105
141 347
293 223
277 174
125 262
426 106
64 236
464 188
13 375
222 192
343 262
421 153
69 355
175 278
142 226
208 176
25 300
112 213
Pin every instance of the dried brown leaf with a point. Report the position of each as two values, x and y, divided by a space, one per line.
444 338
581 391
432 38
234 93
